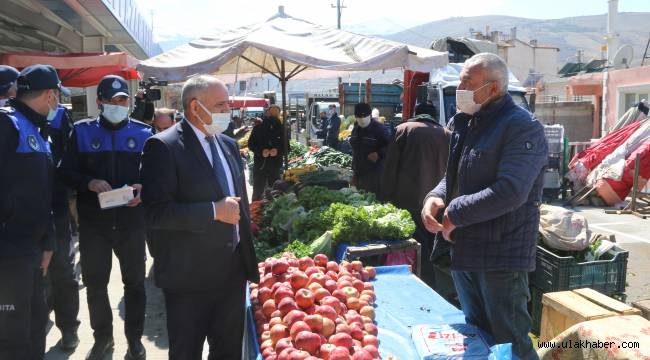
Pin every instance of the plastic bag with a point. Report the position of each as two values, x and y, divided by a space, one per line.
563 229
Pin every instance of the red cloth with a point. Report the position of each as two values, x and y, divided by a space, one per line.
411 81
595 154
623 187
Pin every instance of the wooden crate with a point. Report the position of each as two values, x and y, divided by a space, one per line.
563 309
644 306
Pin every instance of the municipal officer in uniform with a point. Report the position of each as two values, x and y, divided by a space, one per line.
26 226
63 294
8 76
103 154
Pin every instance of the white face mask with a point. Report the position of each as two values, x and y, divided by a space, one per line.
115 113
465 101
4 102
220 121
364 121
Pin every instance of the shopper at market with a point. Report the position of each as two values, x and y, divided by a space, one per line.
27 232
369 143
195 194
322 132
487 204
333 127
104 154
415 163
267 143
8 76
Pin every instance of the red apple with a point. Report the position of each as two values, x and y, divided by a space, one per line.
353 303
340 353
311 310
368 286
358 284
362 355
279 267
304 298
266 344
305 262
286 305
368 311
371 329
282 344
364 275
326 311
329 327
286 354
370 293
311 271
333 302
330 285
321 260
279 332
314 286
274 321
282 293
298 280
318 278
293 316
264 294
343 328
341 339
266 353
332 275
338 293
268 308
352 317
357 265
259 315
326 350
299 355
276 313
332 266
321 293
341 284
308 341
298 327
268 280
367 298
370 340
315 322
349 292
356 332
265 336
372 350
371 272
293 262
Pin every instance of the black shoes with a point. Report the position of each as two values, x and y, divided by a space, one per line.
136 351
69 341
100 349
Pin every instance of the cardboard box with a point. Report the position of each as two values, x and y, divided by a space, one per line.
115 198
563 309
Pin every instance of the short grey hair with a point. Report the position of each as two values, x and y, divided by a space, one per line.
196 85
496 68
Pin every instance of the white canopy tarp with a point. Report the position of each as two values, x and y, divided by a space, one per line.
296 43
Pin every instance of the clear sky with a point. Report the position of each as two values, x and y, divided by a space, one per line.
193 18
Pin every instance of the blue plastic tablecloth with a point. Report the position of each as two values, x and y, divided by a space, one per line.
403 300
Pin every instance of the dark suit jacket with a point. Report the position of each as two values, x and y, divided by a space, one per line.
192 251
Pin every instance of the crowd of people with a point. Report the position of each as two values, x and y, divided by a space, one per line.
472 187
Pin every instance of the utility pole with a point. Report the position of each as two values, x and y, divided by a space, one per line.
338 13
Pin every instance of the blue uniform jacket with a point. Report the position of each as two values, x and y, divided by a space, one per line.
493 186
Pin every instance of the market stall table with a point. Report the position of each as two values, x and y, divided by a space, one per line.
403 301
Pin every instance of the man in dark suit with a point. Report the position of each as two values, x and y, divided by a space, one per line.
195 195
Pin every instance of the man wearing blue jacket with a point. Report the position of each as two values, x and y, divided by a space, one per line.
26 223
486 206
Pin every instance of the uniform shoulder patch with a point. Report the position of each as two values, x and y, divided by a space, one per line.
33 143
131 143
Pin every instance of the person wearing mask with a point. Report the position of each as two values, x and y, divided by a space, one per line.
369 141
163 119
333 127
194 191
487 205
267 144
104 154
63 296
27 231
8 76
322 132
375 114
415 162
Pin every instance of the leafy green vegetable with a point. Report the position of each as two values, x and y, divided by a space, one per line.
314 197
322 245
297 248
297 149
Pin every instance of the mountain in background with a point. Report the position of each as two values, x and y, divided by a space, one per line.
568 34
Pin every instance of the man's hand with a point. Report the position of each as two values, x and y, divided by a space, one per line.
227 210
373 157
99 186
45 261
273 152
448 227
266 153
136 200
429 211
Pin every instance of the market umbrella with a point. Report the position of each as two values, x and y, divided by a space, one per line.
77 69
284 46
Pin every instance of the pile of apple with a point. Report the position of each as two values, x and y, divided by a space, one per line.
308 309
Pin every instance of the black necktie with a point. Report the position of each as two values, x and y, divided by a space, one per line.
220 173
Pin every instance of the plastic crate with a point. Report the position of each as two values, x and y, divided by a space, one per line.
535 309
557 273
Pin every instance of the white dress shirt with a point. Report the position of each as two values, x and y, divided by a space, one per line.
206 149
